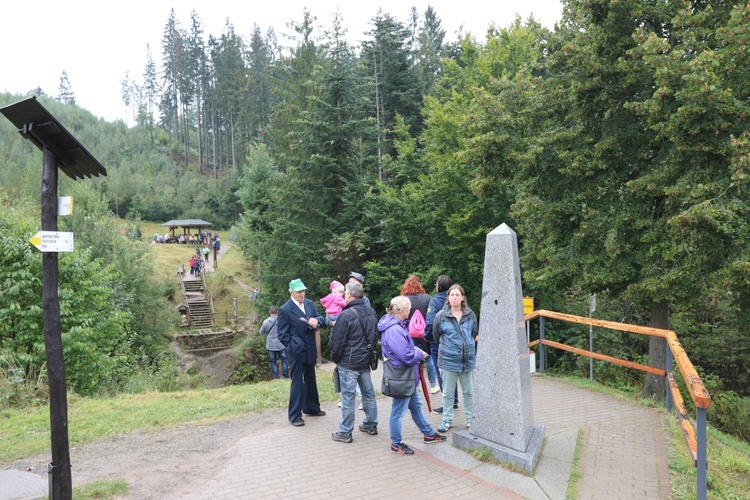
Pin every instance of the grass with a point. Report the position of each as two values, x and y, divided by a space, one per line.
100 489
25 432
575 471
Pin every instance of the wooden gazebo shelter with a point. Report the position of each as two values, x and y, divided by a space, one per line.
186 225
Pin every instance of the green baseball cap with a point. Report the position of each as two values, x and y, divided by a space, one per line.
297 285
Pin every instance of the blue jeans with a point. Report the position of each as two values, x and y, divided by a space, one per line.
398 410
349 381
431 370
273 358
451 379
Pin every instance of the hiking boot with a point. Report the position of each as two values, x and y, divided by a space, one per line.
372 430
402 449
438 410
341 438
444 427
435 438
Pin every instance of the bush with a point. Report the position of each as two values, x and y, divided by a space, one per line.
254 364
731 414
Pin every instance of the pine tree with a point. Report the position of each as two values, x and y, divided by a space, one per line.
65 92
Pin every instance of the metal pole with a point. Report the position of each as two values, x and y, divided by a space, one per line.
60 480
541 345
701 462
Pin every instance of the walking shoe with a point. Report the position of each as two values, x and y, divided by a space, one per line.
372 430
360 406
339 405
298 422
444 427
435 438
403 449
455 407
434 389
438 410
341 438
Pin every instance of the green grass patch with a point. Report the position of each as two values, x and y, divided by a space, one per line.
575 471
25 432
101 489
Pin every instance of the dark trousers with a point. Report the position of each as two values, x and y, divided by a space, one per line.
303 395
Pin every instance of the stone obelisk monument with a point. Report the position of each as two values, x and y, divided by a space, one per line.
503 414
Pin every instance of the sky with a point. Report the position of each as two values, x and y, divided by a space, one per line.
98 42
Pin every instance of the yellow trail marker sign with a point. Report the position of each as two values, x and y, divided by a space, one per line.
52 241
528 305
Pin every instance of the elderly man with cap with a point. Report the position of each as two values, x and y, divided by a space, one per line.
296 326
356 277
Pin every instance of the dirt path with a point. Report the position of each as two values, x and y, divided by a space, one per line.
154 464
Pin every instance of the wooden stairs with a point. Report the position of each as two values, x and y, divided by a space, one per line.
194 289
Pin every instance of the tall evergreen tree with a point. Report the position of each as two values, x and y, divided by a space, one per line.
65 91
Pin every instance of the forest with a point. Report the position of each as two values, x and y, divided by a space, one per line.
616 145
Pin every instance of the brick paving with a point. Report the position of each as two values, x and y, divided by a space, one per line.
623 456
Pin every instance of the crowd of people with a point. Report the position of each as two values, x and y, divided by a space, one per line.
201 238
444 344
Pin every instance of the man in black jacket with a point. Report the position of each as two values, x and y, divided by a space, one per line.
353 338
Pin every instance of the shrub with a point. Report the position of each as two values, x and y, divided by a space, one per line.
731 414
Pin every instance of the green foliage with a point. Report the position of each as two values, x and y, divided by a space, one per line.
253 366
730 413
101 489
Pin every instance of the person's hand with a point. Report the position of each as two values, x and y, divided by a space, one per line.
313 323
424 355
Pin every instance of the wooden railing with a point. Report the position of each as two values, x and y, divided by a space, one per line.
695 437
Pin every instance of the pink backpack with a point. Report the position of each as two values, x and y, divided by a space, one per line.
416 325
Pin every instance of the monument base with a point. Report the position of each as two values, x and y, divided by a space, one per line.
525 460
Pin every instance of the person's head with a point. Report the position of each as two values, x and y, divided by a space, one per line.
354 291
273 310
356 277
400 307
297 290
412 286
456 297
336 287
443 283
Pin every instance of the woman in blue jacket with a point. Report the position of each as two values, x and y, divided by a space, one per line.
400 352
455 329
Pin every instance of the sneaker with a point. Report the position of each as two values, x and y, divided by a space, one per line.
341 438
360 406
455 407
372 430
444 427
339 405
435 438
438 411
403 449
434 389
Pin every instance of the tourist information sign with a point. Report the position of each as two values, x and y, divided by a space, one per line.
52 241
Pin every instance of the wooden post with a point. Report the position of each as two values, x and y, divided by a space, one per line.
60 480
317 346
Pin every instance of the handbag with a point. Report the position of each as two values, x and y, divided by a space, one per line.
397 382
336 379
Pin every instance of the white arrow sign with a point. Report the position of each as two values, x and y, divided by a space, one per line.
52 241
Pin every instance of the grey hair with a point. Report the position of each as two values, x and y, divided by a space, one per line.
355 289
398 304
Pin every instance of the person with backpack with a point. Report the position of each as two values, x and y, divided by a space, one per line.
217 247
275 348
455 330
420 300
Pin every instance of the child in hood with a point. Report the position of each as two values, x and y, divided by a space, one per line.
334 302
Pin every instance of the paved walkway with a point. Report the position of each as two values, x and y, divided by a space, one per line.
622 456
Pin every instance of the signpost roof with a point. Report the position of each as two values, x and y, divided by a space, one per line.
35 123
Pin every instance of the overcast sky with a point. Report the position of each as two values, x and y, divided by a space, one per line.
96 42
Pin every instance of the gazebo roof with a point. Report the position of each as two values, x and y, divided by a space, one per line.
187 223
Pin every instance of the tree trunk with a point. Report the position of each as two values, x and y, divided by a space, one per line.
656 385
